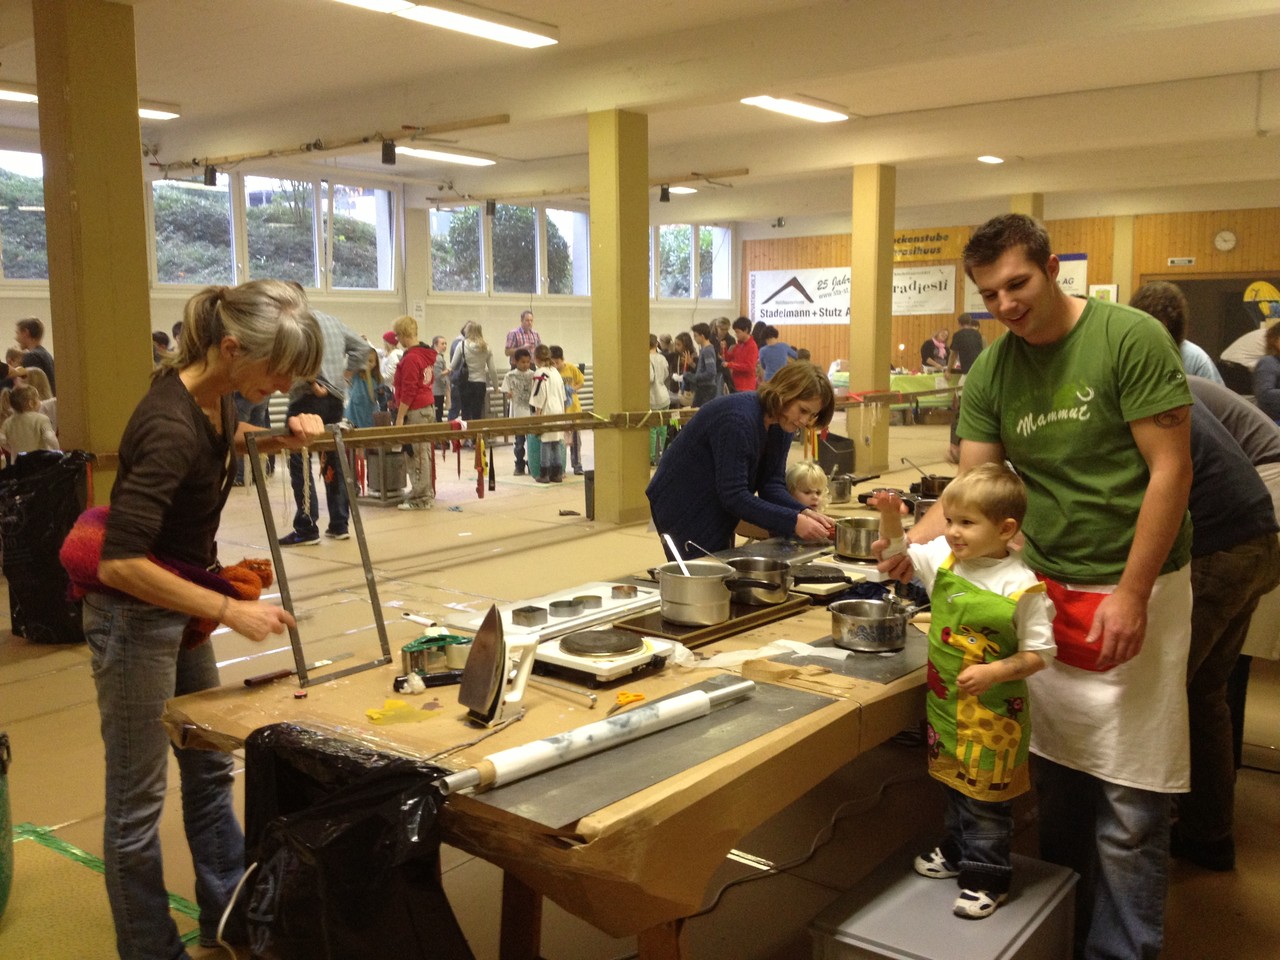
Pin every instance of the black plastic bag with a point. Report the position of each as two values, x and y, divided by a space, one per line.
347 850
41 495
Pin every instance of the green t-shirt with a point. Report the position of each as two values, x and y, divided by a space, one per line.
1062 412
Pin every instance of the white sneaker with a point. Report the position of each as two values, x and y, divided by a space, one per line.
976 904
935 866
416 505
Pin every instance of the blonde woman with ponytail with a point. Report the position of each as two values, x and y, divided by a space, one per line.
155 583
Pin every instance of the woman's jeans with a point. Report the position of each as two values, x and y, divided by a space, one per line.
138 664
474 393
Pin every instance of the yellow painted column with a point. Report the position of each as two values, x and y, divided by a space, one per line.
95 220
1032 204
1122 257
618 146
871 311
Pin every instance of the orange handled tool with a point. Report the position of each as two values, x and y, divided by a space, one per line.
624 698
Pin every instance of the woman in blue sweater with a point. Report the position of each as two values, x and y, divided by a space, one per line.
729 464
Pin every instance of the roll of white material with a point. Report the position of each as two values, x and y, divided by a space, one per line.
530 758
516 763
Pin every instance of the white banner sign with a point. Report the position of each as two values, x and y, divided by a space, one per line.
799 296
821 295
919 290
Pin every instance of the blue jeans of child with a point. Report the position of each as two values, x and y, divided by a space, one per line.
329 409
1117 838
138 664
981 837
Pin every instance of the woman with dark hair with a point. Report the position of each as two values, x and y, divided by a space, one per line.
758 333
728 464
153 594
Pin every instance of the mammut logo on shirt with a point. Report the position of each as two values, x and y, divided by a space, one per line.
1032 422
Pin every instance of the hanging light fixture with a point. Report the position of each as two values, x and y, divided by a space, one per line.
389 152
664 194
210 175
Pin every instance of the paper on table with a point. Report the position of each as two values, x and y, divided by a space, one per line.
724 661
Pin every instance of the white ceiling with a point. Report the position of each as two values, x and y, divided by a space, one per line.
1103 106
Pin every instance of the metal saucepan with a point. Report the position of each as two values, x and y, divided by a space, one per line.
702 598
931 484
854 536
841 488
775 572
871 626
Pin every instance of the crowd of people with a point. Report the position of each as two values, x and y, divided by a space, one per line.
28 407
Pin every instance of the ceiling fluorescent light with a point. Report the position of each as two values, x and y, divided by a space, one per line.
684 189
150 110
380 6
988 158
793 107
18 92
479 22
446 157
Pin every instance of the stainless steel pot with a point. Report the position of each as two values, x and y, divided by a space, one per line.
869 626
922 507
701 598
931 484
767 570
841 488
854 536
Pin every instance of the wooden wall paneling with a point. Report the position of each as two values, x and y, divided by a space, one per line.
1092 236
1158 237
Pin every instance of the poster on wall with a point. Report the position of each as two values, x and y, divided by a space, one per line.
921 290
1073 273
819 295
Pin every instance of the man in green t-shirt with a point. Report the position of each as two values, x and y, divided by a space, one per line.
1088 401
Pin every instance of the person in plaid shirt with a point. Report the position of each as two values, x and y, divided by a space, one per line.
522 336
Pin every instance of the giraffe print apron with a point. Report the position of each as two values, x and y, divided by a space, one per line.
977 745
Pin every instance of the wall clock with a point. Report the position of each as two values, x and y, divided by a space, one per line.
1224 240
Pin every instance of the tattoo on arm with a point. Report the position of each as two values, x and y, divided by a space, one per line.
1170 418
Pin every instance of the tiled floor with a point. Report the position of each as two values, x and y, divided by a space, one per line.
516 543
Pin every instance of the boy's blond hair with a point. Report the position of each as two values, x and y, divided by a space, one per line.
810 474
993 489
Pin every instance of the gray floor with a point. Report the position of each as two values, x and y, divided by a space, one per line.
468 550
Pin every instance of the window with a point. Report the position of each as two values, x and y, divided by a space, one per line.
568 252
675 260
193 231
23 254
515 249
457 262
713 262
280 229
362 228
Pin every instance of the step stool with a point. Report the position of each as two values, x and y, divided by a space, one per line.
894 912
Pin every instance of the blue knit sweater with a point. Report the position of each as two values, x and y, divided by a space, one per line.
723 467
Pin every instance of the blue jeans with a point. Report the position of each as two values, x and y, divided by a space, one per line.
1117 839
329 409
979 841
138 664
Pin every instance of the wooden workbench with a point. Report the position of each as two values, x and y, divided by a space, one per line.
637 866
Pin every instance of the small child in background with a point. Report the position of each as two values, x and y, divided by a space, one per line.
548 398
991 629
362 395
517 385
27 428
808 484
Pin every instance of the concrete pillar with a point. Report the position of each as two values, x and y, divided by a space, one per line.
95 220
618 147
871 311
1032 204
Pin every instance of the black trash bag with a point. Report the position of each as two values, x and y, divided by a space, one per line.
347 849
41 495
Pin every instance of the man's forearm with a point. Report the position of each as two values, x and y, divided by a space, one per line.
1159 520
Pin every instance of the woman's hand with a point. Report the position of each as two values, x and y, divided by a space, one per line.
811 525
255 620
303 427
